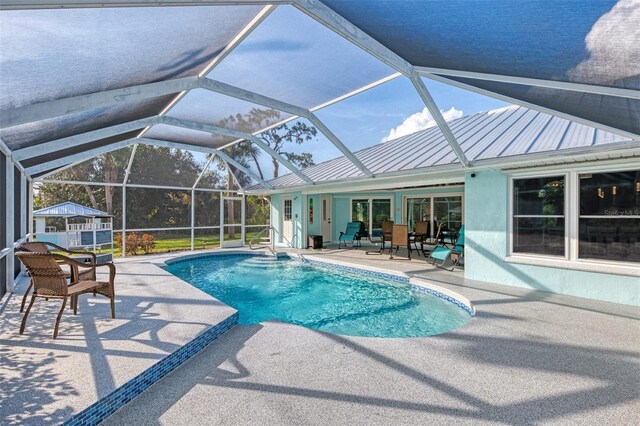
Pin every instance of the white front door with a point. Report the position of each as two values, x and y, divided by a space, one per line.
325 218
287 221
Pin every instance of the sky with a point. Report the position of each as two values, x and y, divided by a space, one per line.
389 111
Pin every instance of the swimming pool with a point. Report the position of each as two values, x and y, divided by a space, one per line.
263 288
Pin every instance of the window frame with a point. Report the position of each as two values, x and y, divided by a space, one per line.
567 208
572 220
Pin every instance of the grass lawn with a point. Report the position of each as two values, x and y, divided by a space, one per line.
166 242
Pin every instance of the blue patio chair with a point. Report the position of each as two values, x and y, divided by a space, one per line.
443 253
353 233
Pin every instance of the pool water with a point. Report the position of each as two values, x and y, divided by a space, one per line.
266 288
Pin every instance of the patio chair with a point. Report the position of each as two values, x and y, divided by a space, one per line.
353 233
420 235
43 247
443 253
381 236
399 237
50 282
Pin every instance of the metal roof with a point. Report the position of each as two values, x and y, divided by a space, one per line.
497 134
69 209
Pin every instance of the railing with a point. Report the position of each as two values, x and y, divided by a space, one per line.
88 226
273 241
258 236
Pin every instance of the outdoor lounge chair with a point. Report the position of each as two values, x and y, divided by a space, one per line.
442 253
50 282
399 238
43 247
353 233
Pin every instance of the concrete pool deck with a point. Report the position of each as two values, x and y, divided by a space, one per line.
45 381
528 357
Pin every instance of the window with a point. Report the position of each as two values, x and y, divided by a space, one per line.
371 211
287 209
609 221
539 216
581 217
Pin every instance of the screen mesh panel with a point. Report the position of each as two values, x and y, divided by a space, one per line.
166 166
31 134
223 111
293 58
616 112
187 136
108 167
593 42
71 52
79 149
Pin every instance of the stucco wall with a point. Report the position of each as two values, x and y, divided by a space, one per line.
486 245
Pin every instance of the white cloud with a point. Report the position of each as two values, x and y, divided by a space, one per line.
614 53
420 121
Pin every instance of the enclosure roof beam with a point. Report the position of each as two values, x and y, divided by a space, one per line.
81 139
233 175
204 170
534 107
439 119
335 22
253 97
79 157
77 4
230 47
551 84
74 104
338 144
176 145
127 171
4 149
256 98
332 20
193 125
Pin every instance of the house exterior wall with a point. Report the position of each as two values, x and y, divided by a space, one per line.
486 218
486 247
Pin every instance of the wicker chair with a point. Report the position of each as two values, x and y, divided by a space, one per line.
50 282
42 247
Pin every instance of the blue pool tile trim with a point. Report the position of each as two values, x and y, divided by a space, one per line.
391 277
443 296
108 405
366 272
225 255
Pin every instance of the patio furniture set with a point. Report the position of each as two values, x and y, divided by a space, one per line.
446 248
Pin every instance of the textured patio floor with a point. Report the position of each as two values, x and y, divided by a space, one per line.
44 381
528 357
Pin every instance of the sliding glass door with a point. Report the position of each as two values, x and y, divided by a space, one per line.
371 211
445 210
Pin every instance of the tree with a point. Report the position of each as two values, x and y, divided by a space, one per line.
278 138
